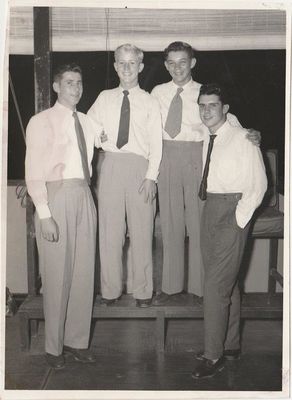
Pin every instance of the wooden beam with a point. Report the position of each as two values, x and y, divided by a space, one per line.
42 79
42 57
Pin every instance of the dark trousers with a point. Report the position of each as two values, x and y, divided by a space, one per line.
222 243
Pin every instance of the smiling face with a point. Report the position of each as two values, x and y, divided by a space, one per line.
69 89
179 65
212 111
128 66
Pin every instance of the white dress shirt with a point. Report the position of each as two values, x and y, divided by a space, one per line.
52 151
236 166
145 131
192 128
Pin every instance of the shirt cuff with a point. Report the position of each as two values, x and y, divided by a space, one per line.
151 175
241 219
43 211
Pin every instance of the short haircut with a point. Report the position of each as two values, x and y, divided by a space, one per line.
214 88
179 46
131 49
59 71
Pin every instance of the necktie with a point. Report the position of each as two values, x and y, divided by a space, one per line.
123 134
82 147
203 186
174 116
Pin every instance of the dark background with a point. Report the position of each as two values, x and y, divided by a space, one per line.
256 80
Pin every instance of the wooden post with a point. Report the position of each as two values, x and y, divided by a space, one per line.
42 57
42 80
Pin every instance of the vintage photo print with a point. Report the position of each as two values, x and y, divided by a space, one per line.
138 259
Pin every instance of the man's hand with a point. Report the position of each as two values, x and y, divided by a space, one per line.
49 229
254 137
149 188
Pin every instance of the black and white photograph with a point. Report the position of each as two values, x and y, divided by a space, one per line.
145 209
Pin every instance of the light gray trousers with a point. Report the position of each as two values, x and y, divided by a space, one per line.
180 213
67 266
222 244
121 206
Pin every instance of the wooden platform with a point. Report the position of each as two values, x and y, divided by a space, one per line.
254 306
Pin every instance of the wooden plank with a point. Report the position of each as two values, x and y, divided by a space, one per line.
42 57
277 276
273 259
160 331
24 331
252 304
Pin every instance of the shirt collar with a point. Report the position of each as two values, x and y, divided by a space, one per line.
222 133
60 107
186 86
132 90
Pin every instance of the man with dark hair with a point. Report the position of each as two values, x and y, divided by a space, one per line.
180 173
232 187
60 144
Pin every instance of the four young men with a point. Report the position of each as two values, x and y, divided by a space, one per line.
129 124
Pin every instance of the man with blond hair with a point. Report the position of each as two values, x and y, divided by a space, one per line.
131 121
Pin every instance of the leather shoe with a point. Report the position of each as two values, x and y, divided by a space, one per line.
208 368
81 355
230 355
198 300
161 299
107 302
143 303
56 362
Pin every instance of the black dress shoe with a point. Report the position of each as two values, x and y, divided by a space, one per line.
230 355
208 368
108 302
143 303
161 299
56 362
81 355
198 300
200 356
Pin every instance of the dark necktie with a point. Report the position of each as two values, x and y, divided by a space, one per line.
123 134
203 186
82 147
174 116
